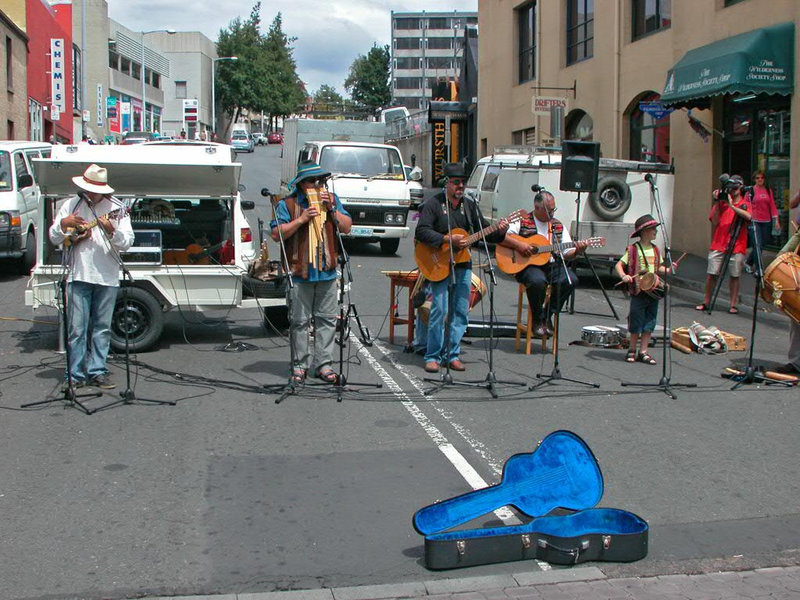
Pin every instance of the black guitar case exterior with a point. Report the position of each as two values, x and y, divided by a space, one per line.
560 479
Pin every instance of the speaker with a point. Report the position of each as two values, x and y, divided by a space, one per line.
580 162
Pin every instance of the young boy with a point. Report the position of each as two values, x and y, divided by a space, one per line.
642 256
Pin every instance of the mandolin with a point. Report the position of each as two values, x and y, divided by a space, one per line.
73 235
434 263
511 262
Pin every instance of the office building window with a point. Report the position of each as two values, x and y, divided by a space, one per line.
524 137
136 70
526 40
649 137
407 83
113 60
650 16
580 30
445 43
439 23
125 65
440 62
411 43
406 23
407 63
180 89
154 78
9 65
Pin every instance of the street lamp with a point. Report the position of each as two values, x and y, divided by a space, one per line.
144 81
213 90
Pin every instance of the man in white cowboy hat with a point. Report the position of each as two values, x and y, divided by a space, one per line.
96 228
304 224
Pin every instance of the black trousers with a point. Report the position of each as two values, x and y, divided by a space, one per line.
536 280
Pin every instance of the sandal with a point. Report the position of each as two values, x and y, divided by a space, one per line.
733 310
327 375
646 358
630 356
298 375
701 307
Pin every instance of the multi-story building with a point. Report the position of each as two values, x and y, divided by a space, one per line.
426 48
14 82
610 62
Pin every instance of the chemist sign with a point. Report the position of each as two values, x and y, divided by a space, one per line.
58 91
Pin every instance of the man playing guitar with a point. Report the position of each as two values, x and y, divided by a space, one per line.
536 278
432 229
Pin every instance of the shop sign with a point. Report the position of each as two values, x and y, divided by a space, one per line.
57 84
541 105
100 111
655 109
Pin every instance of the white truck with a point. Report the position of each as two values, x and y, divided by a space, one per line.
501 183
193 243
368 175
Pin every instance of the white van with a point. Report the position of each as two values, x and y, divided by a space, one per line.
501 183
19 200
193 243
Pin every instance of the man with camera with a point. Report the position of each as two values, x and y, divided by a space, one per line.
729 216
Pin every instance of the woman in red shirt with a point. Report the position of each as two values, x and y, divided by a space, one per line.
765 218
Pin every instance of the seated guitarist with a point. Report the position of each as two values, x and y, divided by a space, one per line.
432 229
535 278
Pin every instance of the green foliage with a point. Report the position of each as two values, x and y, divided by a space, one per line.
327 94
368 79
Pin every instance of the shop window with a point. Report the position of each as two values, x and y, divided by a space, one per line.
649 137
579 126
580 30
526 42
650 16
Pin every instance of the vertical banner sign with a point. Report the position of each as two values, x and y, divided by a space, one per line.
125 114
57 84
112 114
438 152
100 107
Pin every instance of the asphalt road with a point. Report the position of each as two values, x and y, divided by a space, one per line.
228 492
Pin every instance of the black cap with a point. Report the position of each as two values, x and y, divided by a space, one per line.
454 170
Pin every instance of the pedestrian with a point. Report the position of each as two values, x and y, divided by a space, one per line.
641 257
765 222
793 366
729 215
94 228
307 219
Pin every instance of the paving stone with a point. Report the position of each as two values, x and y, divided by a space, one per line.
469 584
319 594
375 592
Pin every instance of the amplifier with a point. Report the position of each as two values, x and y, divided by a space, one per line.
146 249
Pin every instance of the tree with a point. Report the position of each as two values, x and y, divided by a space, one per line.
327 99
286 92
368 79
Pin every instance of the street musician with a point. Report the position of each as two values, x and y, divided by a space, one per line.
308 218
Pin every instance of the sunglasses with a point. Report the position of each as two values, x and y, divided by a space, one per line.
315 180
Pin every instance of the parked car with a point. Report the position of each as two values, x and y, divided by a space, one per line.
259 138
242 142
137 137
276 137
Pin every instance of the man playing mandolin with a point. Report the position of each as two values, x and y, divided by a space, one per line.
94 228
432 230
540 222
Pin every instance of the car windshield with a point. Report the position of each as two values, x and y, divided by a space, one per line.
5 172
362 160
239 135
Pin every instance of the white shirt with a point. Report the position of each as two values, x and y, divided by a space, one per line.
566 238
95 259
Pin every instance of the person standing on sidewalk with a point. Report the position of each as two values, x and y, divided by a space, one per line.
94 262
765 218
793 366
728 208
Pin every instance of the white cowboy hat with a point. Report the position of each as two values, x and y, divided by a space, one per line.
94 179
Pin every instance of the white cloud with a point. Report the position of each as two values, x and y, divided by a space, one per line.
330 33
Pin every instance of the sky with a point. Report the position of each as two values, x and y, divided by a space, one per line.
330 33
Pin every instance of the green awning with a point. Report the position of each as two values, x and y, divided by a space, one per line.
757 62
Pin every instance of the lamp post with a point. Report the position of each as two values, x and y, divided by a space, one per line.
213 92
144 81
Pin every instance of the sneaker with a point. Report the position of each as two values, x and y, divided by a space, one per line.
103 382
748 269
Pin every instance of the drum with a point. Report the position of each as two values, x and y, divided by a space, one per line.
599 335
652 285
476 292
782 284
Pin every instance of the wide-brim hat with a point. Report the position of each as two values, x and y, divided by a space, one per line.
307 170
455 170
94 179
642 223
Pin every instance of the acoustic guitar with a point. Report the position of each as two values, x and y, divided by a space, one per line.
512 262
434 263
73 235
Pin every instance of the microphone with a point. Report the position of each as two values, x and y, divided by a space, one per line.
536 188
650 179
265 192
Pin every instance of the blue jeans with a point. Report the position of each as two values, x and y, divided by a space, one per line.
764 237
91 308
458 321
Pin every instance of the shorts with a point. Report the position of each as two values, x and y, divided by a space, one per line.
715 263
643 313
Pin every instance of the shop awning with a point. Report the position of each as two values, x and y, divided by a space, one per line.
757 62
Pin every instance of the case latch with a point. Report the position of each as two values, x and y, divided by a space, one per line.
461 547
606 542
526 541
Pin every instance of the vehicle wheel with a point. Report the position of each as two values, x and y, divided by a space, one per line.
28 259
390 246
141 317
612 198
275 317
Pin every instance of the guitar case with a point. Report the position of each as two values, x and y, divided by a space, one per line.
558 486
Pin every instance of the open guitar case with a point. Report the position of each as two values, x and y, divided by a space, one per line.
558 486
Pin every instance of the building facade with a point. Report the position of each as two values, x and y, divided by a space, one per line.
14 98
610 68
427 48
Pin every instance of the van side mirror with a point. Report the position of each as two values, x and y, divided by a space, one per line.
24 181
248 205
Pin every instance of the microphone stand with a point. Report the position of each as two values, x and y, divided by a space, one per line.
68 394
664 384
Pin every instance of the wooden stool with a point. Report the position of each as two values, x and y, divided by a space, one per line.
527 328
401 279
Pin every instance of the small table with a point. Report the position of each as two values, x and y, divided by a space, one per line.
401 279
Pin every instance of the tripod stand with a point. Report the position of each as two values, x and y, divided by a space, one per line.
555 374
664 384
127 396
68 393
735 231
